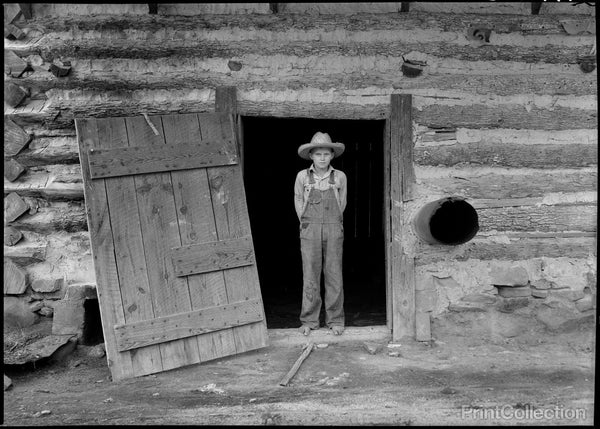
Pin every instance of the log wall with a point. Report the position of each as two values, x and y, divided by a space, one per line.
510 124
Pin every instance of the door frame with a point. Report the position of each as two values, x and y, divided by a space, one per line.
399 178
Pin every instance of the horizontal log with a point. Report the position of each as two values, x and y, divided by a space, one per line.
50 150
505 116
168 328
509 155
515 249
60 113
543 218
52 182
51 9
160 75
152 49
54 216
415 20
502 184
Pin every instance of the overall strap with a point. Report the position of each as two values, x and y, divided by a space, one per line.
332 178
311 178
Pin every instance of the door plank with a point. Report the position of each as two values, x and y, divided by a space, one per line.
196 225
212 256
129 247
124 161
160 233
197 322
232 221
105 267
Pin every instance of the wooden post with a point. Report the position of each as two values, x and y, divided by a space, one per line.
387 223
402 178
226 101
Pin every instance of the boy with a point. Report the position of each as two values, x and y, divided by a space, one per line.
320 199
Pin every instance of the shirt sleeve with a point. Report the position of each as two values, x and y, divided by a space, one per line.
299 193
343 190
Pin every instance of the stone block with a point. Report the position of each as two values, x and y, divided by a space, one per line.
588 302
480 298
36 305
425 300
423 326
59 294
68 317
513 276
513 291
424 282
508 305
538 293
81 291
7 382
542 284
15 279
46 311
460 307
571 295
11 236
47 285
17 313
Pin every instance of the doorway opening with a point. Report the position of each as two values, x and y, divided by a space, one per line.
270 165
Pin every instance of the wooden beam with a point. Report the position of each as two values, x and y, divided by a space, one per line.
226 101
387 199
14 94
510 155
285 380
402 179
26 10
154 159
213 256
168 328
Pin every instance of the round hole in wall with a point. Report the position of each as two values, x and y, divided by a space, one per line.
446 221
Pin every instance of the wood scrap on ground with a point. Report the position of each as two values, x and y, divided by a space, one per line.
296 366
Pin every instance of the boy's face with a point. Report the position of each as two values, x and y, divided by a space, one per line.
321 156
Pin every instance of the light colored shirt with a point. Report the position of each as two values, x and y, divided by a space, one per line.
302 187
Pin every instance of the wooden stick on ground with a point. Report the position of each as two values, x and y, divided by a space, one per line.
294 369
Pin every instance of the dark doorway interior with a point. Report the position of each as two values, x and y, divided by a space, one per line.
271 163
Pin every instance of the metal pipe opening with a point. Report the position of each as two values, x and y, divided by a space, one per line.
446 221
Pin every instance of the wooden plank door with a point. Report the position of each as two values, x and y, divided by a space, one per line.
173 254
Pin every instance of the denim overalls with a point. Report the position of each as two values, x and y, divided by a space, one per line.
321 244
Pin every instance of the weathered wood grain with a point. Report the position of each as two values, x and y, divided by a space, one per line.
14 94
516 249
129 247
15 139
513 116
142 159
402 177
55 182
149 49
504 184
509 155
543 218
53 217
415 20
196 225
160 232
212 256
105 266
180 75
49 150
197 322
387 221
232 221
15 279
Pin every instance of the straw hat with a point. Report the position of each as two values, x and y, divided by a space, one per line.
320 140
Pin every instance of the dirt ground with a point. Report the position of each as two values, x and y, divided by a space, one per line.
542 379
